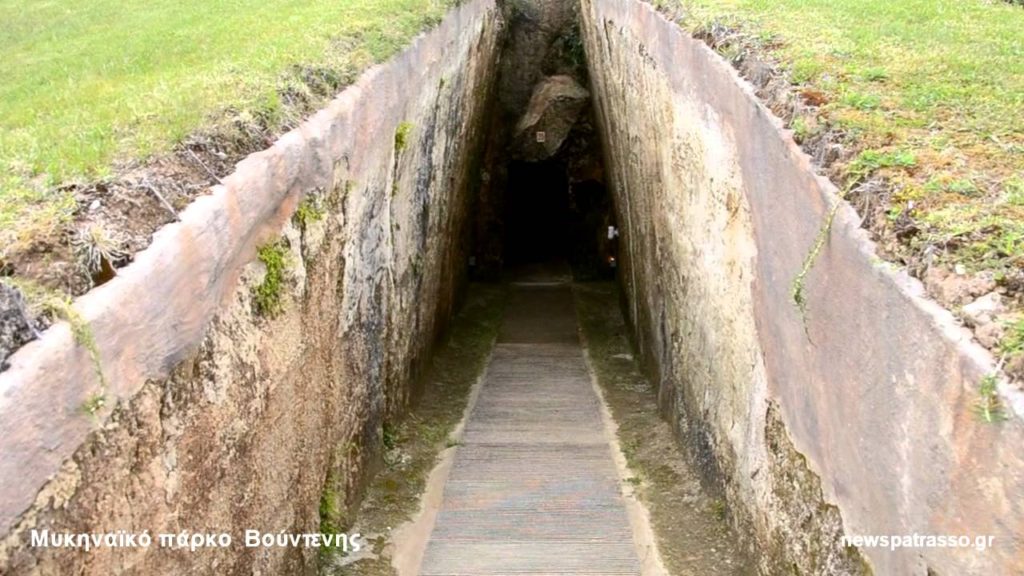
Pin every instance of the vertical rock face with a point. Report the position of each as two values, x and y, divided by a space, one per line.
15 324
538 30
855 418
687 258
274 404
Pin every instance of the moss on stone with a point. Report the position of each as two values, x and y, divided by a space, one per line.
268 295
402 134
309 211
333 513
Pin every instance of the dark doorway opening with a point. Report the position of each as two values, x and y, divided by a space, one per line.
552 219
537 211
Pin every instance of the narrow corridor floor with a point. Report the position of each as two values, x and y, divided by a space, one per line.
534 488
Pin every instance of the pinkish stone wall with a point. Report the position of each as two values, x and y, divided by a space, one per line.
860 421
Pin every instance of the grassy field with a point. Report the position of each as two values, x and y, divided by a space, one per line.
932 93
87 83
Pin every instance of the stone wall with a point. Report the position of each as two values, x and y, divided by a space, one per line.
855 419
219 412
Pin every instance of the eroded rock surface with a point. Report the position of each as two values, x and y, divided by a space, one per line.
554 108
854 414
16 325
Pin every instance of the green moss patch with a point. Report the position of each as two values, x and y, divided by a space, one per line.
402 136
310 210
268 295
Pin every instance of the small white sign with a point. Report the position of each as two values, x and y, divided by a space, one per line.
542 137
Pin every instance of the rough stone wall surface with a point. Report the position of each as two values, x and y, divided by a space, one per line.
555 106
220 418
858 419
537 29
535 46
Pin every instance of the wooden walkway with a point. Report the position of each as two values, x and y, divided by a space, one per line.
534 488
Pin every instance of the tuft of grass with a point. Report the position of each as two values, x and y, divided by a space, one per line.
96 246
268 295
805 70
869 161
310 210
1014 191
989 407
802 130
402 136
1012 343
875 74
862 102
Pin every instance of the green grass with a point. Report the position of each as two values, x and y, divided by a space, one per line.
84 84
932 93
988 406
1013 341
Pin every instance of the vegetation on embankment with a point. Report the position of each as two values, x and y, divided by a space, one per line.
413 445
916 110
90 90
690 524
